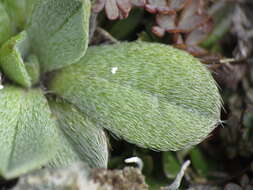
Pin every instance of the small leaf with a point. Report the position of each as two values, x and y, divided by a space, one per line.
112 10
192 17
201 165
149 94
166 21
59 31
171 166
33 68
81 140
12 54
5 23
16 10
27 132
223 14
121 29
178 4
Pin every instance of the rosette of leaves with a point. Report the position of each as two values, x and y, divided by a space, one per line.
149 94
36 129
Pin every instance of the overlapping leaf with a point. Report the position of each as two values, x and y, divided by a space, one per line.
80 139
12 55
18 11
33 68
114 9
59 31
5 23
27 132
13 17
165 6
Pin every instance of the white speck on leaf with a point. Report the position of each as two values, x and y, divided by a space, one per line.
114 70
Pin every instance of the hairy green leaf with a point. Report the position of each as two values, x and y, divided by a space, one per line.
149 94
12 54
81 140
171 166
5 25
199 162
16 11
33 68
27 132
59 31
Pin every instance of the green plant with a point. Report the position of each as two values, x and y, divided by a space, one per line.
57 97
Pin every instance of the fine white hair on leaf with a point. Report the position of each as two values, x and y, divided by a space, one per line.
136 160
160 98
89 141
114 70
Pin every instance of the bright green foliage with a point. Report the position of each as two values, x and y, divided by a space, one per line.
27 132
81 140
18 11
171 166
5 25
121 29
33 68
199 162
59 31
12 54
149 94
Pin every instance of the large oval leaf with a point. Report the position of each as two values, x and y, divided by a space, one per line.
80 139
150 94
27 132
59 31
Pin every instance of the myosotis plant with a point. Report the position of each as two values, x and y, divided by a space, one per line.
57 98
